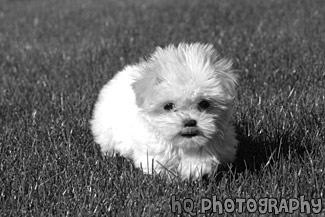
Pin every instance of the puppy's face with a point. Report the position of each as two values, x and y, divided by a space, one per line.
185 94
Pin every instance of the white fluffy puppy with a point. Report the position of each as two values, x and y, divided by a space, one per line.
170 113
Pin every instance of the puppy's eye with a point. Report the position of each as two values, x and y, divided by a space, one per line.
204 104
169 106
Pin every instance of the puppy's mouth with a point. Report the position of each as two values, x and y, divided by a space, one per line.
190 132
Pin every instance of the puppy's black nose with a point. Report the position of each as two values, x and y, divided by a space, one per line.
190 123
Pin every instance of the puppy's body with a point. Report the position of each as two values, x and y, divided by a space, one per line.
170 113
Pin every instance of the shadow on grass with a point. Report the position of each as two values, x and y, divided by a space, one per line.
255 152
251 153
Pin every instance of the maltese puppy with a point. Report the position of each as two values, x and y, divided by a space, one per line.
170 113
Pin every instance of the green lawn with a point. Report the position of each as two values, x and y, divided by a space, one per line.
55 55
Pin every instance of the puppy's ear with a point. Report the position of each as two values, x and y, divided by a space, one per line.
144 86
223 72
228 78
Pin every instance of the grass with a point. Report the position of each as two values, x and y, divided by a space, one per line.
56 55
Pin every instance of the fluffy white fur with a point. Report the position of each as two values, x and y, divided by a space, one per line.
171 113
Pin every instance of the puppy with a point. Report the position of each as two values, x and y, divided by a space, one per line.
170 113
